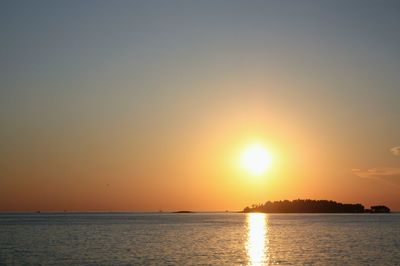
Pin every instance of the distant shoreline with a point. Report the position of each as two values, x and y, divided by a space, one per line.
313 206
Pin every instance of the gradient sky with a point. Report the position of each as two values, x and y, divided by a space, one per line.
129 105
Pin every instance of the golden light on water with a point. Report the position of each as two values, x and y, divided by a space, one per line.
257 241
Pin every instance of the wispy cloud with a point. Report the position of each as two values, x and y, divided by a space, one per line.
395 151
387 174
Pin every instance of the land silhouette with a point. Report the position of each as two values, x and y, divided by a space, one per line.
313 206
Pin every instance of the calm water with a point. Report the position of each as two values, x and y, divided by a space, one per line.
187 239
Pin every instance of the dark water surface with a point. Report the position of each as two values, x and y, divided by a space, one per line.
200 239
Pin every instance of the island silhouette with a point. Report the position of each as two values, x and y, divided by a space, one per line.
313 206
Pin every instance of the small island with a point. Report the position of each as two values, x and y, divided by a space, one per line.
183 212
313 206
378 209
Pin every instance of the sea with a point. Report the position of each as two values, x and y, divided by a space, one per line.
199 239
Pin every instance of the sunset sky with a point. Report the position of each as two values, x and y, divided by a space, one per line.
149 105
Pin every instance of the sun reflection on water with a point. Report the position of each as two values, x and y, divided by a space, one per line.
257 241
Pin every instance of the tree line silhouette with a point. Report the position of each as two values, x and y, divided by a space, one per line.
305 206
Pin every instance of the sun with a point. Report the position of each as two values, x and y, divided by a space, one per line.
256 159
